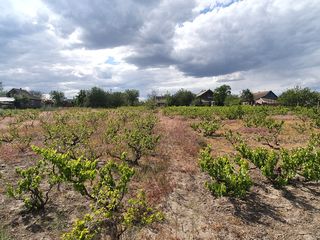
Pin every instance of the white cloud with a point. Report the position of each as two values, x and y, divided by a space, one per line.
162 45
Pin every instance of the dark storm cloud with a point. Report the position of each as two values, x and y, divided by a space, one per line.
154 46
71 45
147 26
104 23
249 35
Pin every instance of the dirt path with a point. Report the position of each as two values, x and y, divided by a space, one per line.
193 213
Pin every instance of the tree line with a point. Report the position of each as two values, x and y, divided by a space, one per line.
98 98
222 96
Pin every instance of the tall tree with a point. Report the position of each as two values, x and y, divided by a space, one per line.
58 97
97 97
132 97
247 96
117 99
183 98
220 94
81 98
2 93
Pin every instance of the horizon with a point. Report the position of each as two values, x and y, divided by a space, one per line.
159 45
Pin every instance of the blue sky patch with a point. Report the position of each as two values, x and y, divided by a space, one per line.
218 5
111 61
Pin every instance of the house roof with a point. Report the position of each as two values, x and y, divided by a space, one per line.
6 99
261 94
203 92
24 93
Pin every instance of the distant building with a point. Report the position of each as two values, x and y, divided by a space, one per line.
265 98
24 99
205 97
7 102
160 100
68 103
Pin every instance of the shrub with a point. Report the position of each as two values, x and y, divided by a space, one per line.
283 166
226 180
30 187
66 169
71 133
207 127
53 168
131 137
111 212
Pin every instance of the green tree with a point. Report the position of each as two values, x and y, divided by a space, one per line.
221 93
81 98
132 97
247 96
116 99
97 97
58 97
151 101
299 97
181 98
2 92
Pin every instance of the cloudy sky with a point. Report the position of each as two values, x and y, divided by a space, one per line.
161 45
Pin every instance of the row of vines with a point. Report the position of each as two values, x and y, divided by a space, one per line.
92 153
230 174
96 154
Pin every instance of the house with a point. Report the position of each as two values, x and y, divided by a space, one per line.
160 100
68 103
47 103
205 97
265 98
7 102
24 99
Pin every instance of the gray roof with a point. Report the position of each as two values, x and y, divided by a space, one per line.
258 95
202 92
22 92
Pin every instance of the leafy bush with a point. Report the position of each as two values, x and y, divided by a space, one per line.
256 120
226 180
20 132
66 169
71 133
230 112
111 212
273 127
131 136
36 182
30 187
207 127
283 166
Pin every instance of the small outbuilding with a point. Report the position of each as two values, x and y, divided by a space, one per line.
265 98
205 97
7 102
24 99
160 101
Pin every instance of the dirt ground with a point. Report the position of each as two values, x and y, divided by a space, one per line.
177 187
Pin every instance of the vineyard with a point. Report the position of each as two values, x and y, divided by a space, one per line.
238 172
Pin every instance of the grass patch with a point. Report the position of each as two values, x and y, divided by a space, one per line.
4 234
